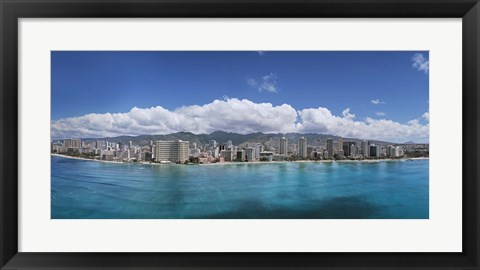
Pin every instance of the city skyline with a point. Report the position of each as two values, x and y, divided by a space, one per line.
365 95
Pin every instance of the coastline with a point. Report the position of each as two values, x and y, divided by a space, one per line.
247 163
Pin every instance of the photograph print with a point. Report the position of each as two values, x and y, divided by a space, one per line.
239 135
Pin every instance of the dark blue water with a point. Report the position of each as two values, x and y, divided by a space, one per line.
93 190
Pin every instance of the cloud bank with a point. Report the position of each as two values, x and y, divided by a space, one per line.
239 116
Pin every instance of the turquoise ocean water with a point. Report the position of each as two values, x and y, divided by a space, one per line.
83 189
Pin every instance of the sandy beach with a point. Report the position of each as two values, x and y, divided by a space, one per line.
247 163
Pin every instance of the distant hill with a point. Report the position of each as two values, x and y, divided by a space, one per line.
267 139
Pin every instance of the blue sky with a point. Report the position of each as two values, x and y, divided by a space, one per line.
377 85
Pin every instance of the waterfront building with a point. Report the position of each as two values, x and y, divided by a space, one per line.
283 146
374 150
240 155
302 147
347 147
340 154
353 151
250 153
107 155
267 154
147 156
173 151
130 144
330 147
340 144
325 154
228 154
72 143
393 151
365 149
258 150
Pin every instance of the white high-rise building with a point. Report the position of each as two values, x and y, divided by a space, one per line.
173 151
283 146
302 147
330 147
258 150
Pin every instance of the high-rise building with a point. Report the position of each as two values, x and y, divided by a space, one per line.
228 154
340 154
98 144
340 144
213 144
72 143
250 153
330 147
240 155
173 151
392 151
130 145
283 146
365 149
347 147
302 147
258 150
374 150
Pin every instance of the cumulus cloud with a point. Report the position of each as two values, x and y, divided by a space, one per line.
230 114
267 83
321 120
377 101
240 116
420 62
381 113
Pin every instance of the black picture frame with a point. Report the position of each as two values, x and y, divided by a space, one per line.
12 10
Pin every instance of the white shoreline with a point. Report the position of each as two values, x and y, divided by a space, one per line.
246 163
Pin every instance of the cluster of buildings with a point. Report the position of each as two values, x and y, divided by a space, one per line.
185 152
339 149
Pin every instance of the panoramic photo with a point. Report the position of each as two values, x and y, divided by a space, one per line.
239 135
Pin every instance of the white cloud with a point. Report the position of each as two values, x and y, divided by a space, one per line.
234 115
420 62
240 116
426 116
377 101
321 120
261 53
267 83
381 113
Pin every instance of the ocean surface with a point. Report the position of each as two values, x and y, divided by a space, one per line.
82 189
